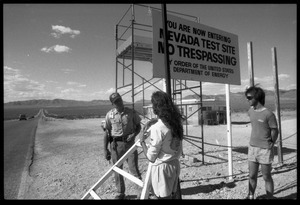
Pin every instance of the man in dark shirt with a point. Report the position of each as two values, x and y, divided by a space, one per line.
264 134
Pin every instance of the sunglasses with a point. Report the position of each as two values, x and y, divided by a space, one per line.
249 97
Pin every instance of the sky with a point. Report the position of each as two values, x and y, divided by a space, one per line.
68 51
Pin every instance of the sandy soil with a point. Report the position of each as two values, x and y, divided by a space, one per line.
68 160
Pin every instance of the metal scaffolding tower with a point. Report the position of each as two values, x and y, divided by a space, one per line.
134 43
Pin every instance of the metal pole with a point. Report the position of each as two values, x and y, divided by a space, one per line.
201 112
143 81
168 81
123 72
277 104
229 140
116 84
132 53
250 63
201 120
167 65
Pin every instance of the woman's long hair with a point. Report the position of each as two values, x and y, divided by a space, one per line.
165 109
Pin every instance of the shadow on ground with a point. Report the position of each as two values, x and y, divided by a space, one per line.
291 196
206 188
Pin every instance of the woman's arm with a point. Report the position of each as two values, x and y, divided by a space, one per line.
144 135
145 150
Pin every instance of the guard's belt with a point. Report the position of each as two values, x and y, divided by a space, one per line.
122 138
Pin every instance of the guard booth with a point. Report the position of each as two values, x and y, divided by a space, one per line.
213 111
214 117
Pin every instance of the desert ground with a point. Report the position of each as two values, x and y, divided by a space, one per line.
68 160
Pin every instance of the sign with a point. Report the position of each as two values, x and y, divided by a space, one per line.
196 52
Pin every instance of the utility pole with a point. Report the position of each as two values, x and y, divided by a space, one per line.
277 104
178 194
250 63
166 46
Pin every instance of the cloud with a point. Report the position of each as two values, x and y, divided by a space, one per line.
14 81
57 49
70 91
209 88
51 81
76 84
110 91
270 79
17 86
60 30
283 76
67 70
10 71
291 86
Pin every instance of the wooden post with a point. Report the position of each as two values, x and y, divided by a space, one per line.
250 63
277 104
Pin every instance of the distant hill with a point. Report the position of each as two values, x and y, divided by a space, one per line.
283 94
56 103
288 100
238 102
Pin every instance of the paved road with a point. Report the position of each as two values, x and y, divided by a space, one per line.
18 146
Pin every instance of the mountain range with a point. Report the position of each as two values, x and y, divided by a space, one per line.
56 103
283 94
236 99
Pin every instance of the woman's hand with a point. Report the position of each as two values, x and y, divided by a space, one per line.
145 133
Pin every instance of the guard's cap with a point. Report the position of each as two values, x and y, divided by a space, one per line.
114 96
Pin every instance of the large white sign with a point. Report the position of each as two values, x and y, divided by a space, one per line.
196 52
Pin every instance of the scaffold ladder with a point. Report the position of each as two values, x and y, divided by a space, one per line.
115 168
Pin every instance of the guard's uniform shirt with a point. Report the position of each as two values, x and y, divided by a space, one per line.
122 124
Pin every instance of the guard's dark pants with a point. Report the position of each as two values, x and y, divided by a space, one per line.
117 151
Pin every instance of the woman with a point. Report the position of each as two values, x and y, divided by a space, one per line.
165 145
